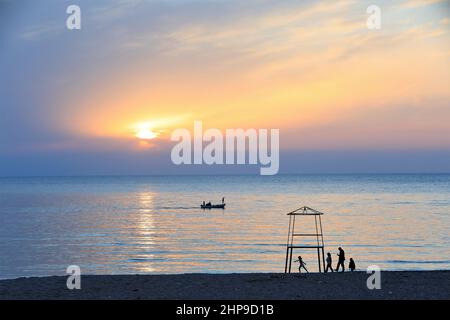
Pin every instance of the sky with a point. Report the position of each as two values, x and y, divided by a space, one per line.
345 98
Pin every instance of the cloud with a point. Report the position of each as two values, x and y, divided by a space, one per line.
112 10
232 63
39 31
445 21
420 3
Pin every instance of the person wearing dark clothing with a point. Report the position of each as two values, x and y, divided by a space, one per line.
301 265
352 265
341 260
329 262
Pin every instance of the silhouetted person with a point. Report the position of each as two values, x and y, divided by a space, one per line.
329 262
301 265
208 204
223 200
203 203
352 265
341 260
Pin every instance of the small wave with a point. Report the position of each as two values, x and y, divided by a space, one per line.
177 208
402 202
156 208
145 259
420 262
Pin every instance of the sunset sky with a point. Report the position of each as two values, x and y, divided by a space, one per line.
104 99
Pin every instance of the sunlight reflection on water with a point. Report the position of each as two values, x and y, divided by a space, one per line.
117 225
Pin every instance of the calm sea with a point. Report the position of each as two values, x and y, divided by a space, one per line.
153 224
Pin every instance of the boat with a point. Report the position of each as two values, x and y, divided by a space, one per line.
213 206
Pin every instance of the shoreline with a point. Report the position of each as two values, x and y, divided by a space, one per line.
403 285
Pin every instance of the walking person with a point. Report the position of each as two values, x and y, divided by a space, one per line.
329 262
301 265
341 260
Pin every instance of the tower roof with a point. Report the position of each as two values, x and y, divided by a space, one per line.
305 211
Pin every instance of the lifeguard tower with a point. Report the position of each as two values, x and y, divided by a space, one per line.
305 213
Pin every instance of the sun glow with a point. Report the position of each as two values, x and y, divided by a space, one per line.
157 127
145 131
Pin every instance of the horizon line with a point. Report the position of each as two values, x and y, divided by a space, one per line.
224 175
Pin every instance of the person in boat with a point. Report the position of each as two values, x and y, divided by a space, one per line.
209 204
203 203
223 200
301 265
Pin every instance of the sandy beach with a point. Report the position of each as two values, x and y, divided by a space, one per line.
395 285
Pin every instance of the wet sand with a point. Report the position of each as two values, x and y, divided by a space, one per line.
395 285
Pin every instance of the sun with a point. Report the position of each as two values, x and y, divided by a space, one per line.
145 131
146 134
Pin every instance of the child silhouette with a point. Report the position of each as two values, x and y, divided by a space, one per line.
352 265
301 265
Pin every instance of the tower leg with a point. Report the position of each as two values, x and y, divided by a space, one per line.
318 259
323 258
287 258
290 260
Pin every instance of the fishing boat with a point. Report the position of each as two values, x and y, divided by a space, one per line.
213 206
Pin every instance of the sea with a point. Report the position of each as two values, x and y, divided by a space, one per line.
154 224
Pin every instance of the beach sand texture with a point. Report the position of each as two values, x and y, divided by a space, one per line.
395 285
